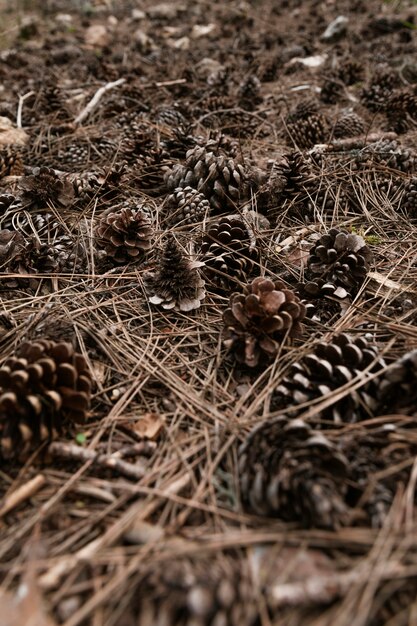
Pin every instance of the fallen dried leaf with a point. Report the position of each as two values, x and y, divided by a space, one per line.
149 426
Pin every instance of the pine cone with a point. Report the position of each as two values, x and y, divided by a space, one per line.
383 82
11 163
298 173
349 125
45 384
249 92
397 387
258 320
229 250
125 235
409 199
171 116
351 72
12 250
187 206
401 110
80 154
217 176
6 200
150 171
45 187
289 471
373 451
196 592
307 133
321 373
177 283
340 258
305 126
332 88
319 307
387 154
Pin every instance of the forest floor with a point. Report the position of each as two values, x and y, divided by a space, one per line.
246 454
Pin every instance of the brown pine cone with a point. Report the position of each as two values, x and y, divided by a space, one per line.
44 186
351 71
210 591
187 206
125 234
379 466
332 88
229 250
401 110
340 258
177 283
307 133
387 154
349 124
289 471
376 95
220 178
409 199
44 385
258 320
306 126
397 387
11 163
249 92
321 373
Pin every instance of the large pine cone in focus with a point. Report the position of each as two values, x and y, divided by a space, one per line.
219 177
340 258
44 186
42 386
320 374
258 320
125 235
177 283
289 471
229 250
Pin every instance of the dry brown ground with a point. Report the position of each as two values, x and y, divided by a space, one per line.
138 510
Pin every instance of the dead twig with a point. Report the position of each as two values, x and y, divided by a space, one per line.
24 492
76 453
96 99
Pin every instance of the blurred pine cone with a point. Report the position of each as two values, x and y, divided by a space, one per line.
44 385
387 154
229 250
409 199
401 110
340 258
375 96
321 373
258 320
332 88
218 177
349 124
125 234
289 471
306 126
44 186
177 283
397 387
187 206
197 592
351 71
249 92
11 163
378 455
80 154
